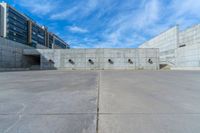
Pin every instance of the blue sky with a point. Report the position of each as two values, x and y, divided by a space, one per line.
109 23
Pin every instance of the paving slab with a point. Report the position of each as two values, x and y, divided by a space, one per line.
149 101
48 123
48 101
128 102
153 123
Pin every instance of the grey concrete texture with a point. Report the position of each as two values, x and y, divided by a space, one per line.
153 102
167 42
189 56
99 57
128 102
11 54
48 102
178 49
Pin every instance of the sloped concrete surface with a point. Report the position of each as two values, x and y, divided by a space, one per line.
100 101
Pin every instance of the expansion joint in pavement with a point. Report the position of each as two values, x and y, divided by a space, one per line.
98 98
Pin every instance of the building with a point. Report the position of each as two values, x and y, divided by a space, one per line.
167 43
178 49
58 43
18 27
188 50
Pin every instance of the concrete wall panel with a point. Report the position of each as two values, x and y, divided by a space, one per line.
188 52
99 59
11 54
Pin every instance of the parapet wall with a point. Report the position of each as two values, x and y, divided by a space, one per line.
98 59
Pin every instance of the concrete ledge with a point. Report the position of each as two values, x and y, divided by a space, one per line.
185 68
31 52
13 69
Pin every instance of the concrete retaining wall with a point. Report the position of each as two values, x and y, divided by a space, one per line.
96 59
11 54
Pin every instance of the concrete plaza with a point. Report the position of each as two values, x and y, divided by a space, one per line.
100 101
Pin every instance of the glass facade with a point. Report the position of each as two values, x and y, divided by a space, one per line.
59 43
50 41
22 29
38 35
17 26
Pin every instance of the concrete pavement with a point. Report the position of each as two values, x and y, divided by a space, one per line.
128 102
149 101
48 102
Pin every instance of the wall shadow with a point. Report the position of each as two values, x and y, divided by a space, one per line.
34 60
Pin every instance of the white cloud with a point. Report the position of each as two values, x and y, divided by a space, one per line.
184 13
183 7
118 40
65 14
77 29
90 6
78 10
149 19
123 30
147 14
40 7
84 43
